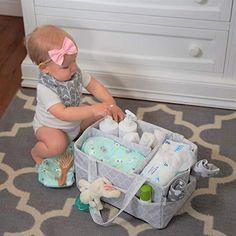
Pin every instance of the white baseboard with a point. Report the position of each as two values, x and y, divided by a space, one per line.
10 7
208 93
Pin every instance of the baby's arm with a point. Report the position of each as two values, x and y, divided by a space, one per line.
50 101
80 113
103 95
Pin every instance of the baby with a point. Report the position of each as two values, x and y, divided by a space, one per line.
59 115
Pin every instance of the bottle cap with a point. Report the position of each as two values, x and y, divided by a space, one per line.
145 192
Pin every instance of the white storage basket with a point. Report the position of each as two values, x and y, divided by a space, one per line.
159 212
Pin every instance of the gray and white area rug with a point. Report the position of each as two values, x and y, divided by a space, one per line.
28 208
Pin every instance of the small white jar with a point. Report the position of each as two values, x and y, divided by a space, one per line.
109 126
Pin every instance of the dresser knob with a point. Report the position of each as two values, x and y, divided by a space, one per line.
200 1
194 50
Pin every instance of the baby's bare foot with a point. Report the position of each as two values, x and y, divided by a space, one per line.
36 158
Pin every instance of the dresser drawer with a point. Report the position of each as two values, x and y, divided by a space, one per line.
146 45
180 51
219 10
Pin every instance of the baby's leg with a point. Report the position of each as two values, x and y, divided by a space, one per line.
50 142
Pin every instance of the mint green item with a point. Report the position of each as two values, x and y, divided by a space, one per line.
145 193
112 153
49 172
81 206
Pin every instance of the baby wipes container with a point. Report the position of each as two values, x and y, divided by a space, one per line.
109 126
128 124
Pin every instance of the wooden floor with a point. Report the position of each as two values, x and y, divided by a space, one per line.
12 53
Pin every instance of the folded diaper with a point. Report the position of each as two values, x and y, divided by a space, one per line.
112 153
50 170
171 159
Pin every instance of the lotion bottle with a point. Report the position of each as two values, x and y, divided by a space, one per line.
128 124
109 126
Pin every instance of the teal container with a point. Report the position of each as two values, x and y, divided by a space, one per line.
81 206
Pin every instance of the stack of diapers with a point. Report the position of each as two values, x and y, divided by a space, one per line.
171 159
112 153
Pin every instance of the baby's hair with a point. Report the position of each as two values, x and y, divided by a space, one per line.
43 39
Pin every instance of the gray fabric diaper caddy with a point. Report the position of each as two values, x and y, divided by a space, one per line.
160 211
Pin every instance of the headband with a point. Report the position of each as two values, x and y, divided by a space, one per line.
57 55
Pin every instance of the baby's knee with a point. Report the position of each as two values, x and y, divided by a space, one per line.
57 148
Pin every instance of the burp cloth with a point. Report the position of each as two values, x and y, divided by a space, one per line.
112 153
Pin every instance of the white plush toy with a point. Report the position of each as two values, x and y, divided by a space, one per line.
92 192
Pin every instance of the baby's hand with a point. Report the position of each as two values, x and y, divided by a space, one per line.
116 112
100 109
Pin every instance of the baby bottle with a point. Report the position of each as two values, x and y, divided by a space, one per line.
109 126
128 124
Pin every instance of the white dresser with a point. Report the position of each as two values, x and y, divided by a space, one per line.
181 51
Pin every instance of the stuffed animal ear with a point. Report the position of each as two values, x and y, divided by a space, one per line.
112 193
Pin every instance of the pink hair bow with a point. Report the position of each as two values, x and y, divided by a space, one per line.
57 55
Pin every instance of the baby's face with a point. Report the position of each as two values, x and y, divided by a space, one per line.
65 71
